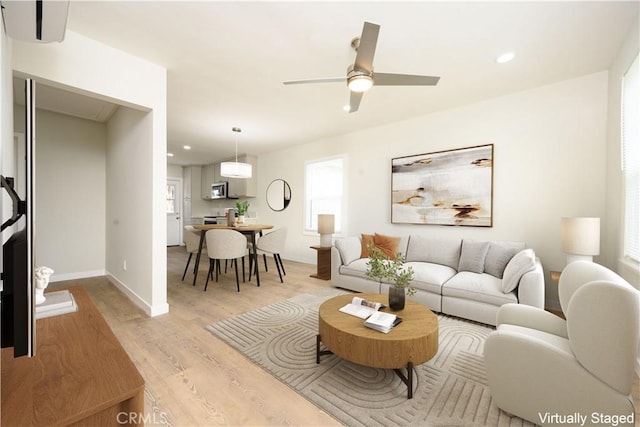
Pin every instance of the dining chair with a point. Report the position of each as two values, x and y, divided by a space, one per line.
227 245
192 242
272 243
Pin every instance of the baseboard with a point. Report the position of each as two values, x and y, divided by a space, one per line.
150 310
75 276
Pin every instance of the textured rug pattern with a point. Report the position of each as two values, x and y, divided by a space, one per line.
449 390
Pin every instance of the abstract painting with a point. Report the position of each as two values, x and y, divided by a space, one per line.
453 187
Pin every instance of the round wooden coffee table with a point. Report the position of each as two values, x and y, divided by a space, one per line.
412 342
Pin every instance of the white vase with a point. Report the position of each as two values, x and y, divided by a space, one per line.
240 219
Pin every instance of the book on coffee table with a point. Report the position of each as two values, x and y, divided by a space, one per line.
383 322
361 308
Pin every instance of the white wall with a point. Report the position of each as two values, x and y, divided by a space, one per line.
86 66
174 171
612 237
128 134
549 151
70 188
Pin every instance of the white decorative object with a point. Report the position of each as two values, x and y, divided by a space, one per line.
42 281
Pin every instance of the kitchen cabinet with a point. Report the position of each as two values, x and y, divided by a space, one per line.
192 177
245 187
208 178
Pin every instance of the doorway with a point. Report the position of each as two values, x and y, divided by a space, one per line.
174 210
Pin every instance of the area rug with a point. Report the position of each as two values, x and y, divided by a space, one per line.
449 390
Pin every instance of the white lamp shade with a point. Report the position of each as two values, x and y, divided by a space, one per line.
235 170
326 223
580 236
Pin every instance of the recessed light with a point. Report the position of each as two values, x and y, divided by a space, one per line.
505 57
186 147
347 108
169 154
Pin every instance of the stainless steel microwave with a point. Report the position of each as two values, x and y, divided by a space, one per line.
219 190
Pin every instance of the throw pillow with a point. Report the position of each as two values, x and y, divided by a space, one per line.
473 255
499 255
521 263
388 244
367 245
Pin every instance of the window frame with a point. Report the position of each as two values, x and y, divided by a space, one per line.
341 223
630 171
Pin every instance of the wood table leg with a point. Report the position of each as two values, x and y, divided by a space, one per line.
408 379
318 352
195 272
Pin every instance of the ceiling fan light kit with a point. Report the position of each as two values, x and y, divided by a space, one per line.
360 77
236 169
360 83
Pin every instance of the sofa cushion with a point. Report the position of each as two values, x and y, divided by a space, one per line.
349 249
478 287
430 277
437 251
472 256
499 255
367 245
521 263
355 268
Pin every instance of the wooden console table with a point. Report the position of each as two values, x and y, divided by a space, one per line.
323 262
80 374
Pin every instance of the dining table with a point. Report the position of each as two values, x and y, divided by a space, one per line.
249 230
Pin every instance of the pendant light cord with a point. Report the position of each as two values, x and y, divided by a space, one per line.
237 130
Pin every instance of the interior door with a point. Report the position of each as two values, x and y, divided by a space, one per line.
174 217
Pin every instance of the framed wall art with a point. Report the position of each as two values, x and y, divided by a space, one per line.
453 187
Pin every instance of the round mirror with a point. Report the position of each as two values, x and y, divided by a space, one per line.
278 195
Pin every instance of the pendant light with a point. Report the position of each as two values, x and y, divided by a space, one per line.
235 169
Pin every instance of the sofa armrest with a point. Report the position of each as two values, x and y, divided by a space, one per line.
531 287
531 317
336 263
530 377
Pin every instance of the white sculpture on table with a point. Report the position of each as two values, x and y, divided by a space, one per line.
42 281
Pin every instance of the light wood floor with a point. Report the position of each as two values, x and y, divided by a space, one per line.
193 378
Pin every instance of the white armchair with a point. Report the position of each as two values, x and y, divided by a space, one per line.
542 368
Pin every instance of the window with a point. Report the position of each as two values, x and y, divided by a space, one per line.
324 191
631 160
171 198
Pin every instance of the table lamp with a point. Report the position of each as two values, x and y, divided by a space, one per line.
326 227
580 238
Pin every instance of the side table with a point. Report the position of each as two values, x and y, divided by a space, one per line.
323 263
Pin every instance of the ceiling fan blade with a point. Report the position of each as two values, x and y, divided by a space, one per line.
354 101
367 47
321 80
386 79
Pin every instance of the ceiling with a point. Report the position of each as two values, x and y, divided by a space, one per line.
226 61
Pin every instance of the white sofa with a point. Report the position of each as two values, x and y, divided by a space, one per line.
464 278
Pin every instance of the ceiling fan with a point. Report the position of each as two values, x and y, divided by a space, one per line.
361 77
